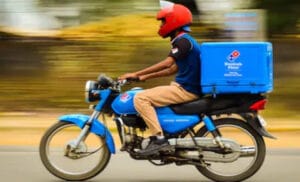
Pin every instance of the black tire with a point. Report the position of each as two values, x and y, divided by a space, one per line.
253 167
51 132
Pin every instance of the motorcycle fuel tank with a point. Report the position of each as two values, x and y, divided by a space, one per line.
123 104
170 122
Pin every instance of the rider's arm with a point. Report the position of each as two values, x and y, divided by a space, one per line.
164 68
168 70
181 49
167 66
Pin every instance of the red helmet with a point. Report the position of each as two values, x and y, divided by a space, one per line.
173 17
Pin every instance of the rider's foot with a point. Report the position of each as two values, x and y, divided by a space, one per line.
156 145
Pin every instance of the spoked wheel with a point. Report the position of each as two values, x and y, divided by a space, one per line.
73 164
250 160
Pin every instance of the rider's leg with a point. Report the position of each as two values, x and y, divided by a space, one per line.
160 96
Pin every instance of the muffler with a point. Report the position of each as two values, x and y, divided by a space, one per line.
201 142
192 149
247 151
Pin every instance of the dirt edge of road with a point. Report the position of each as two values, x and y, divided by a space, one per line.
26 129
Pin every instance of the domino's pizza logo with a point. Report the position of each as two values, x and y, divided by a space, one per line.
125 97
233 67
233 56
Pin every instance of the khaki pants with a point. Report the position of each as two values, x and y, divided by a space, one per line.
145 101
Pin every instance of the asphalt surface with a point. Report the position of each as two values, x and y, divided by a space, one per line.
22 164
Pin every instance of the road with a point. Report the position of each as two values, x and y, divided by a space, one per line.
22 164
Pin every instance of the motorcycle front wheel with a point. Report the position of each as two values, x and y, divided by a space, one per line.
82 163
245 166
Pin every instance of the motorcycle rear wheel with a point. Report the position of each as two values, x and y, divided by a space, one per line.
244 167
53 147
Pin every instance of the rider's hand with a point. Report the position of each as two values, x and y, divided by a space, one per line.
142 78
128 76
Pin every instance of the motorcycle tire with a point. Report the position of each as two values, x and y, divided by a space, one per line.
254 165
44 150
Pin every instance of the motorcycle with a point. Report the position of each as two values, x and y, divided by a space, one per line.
221 135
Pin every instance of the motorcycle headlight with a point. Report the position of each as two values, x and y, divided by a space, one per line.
91 92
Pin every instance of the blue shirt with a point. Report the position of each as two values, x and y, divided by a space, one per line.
186 52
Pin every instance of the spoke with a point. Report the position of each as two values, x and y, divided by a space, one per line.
249 151
79 162
86 154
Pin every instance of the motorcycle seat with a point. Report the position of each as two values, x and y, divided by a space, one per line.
220 104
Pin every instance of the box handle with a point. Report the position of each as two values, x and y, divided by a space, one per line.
233 82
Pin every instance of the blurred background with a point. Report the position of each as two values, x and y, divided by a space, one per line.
49 48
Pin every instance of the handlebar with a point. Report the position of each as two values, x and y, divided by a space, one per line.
127 81
106 82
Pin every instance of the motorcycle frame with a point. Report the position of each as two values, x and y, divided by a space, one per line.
92 124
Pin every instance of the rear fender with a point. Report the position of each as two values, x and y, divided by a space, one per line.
254 122
97 127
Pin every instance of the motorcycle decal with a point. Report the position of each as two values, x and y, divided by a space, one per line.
125 97
174 123
123 104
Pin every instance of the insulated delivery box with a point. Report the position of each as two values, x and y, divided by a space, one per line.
236 67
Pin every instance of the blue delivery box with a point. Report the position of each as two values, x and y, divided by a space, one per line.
236 67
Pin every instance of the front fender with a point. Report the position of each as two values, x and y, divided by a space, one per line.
97 127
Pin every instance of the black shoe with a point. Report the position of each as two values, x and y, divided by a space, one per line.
156 145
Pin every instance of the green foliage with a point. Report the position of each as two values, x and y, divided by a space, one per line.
116 28
283 15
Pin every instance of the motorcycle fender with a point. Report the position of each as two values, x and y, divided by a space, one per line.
97 127
261 130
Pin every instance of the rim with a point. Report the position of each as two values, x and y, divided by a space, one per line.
55 151
242 164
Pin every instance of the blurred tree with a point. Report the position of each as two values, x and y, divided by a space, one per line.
191 4
283 15
77 12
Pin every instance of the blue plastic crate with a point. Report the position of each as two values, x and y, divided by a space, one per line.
236 67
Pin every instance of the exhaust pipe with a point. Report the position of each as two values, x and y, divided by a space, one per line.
247 151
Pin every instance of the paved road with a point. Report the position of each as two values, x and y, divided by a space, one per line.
22 164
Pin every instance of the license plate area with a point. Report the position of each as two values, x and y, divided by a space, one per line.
262 121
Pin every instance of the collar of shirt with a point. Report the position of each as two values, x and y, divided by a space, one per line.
177 36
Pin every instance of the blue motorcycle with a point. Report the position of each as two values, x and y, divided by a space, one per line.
221 135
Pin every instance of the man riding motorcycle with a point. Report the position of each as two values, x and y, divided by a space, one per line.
182 60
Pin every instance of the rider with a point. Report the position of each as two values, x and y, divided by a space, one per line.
183 60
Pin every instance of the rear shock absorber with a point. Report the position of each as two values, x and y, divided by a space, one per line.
213 130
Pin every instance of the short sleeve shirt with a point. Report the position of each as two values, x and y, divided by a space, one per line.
186 52
180 49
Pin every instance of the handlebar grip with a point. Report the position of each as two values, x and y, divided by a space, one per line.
127 81
133 79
